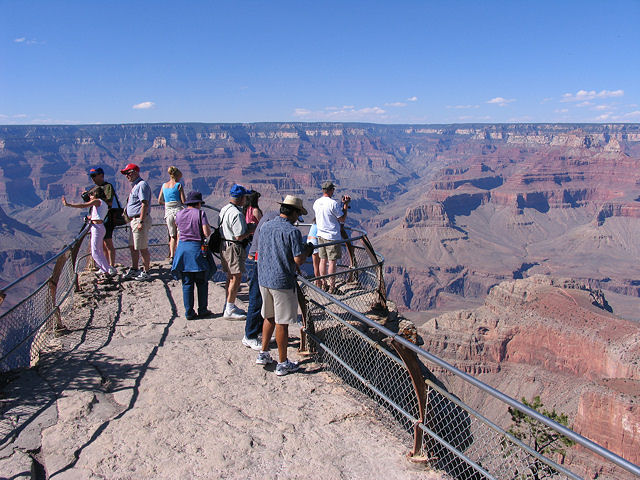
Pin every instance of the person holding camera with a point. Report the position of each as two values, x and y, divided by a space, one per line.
280 252
98 205
329 218
97 175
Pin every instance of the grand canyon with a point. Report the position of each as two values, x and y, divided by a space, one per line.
512 247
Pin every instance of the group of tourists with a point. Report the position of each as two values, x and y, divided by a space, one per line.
267 247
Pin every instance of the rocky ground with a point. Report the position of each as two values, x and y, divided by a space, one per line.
133 390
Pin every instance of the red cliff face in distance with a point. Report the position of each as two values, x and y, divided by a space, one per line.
554 338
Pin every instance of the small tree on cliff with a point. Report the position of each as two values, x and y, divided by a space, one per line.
538 436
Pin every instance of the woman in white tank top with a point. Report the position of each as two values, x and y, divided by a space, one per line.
97 214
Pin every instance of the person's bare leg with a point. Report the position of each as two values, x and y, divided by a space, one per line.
146 259
267 330
282 339
331 270
110 251
234 286
135 257
323 270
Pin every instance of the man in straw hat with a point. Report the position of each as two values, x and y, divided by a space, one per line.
281 249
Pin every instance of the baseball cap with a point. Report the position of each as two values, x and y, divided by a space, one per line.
95 171
238 191
328 185
130 166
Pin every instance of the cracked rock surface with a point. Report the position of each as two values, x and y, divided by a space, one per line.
133 390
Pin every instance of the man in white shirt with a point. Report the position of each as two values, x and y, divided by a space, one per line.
232 256
329 217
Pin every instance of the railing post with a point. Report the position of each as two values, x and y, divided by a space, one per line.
410 360
382 291
74 256
2 296
53 287
303 349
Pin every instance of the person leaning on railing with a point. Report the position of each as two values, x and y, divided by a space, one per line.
98 205
172 196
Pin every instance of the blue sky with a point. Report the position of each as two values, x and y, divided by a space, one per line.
127 61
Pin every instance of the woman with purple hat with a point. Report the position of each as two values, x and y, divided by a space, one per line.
189 263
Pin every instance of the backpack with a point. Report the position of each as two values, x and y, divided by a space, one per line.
214 242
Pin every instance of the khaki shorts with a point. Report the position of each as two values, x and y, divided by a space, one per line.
282 305
170 218
232 258
139 239
332 252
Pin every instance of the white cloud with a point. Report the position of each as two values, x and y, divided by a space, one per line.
501 102
345 113
604 116
582 95
20 40
395 104
561 110
601 107
412 99
27 41
460 107
143 106
584 104
633 114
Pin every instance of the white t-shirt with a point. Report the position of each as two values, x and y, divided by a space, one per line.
99 212
233 222
327 213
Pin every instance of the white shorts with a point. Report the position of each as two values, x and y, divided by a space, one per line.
280 304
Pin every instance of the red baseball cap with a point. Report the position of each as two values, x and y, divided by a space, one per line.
131 166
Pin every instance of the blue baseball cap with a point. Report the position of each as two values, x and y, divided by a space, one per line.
238 191
95 171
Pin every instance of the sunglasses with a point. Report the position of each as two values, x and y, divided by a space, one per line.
129 172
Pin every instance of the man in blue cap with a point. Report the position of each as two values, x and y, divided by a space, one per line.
232 251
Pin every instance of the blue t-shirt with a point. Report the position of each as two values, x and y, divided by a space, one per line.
279 243
140 191
172 194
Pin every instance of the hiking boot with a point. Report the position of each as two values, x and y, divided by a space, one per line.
205 314
131 273
190 315
264 358
286 367
142 276
252 343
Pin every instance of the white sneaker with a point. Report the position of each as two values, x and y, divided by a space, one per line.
264 358
252 343
234 313
112 271
142 276
286 367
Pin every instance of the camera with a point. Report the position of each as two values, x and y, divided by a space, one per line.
85 196
346 199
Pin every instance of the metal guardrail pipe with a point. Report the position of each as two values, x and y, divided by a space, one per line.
579 439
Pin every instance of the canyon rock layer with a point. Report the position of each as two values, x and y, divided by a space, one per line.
455 209
555 338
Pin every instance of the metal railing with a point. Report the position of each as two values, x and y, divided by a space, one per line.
447 433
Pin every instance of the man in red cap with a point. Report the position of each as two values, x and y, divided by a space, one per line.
138 210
